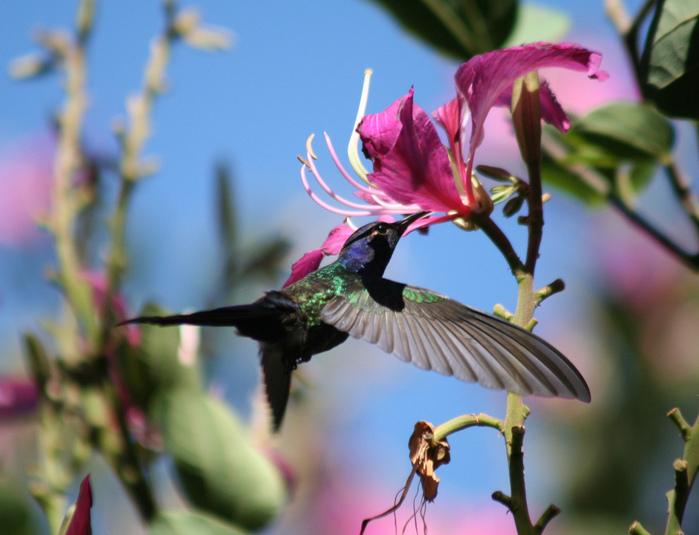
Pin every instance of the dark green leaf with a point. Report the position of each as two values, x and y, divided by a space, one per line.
625 132
458 28
670 62
181 522
219 470
38 360
537 23
226 209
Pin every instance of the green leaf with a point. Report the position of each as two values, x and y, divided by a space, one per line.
154 366
626 131
457 28
538 23
670 62
228 227
15 516
621 143
181 522
562 178
219 470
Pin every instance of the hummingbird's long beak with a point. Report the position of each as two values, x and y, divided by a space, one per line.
403 224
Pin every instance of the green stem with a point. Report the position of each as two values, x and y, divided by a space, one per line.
123 459
526 117
465 421
637 529
65 201
686 470
682 190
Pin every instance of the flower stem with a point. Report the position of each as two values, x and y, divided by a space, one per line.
465 421
526 117
66 203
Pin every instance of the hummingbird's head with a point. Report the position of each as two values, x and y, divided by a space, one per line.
369 249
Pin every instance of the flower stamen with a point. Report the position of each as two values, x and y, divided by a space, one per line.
352 148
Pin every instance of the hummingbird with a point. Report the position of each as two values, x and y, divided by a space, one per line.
350 297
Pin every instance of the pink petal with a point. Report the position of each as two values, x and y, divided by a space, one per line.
410 163
336 239
310 261
80 523
380 132
449 117
482 79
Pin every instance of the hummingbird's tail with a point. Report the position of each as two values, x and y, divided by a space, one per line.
261 320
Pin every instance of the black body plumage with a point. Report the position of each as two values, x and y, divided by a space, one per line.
350 297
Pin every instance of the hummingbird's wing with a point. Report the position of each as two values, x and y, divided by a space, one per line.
435 332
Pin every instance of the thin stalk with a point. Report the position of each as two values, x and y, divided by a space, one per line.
682 190
65 201
465 421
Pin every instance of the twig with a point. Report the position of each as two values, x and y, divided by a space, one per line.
468 420
551 512
691 260
686 469
547 291
683 192
637 529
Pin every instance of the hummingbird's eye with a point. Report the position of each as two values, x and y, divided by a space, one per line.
382 228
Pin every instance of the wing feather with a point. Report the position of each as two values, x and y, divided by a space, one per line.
434 332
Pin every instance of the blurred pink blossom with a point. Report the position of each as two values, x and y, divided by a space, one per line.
19 397
26 178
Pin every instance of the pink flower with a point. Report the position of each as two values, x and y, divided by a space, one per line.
18 398
486 80
412 169
311 260
411 165
26 179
